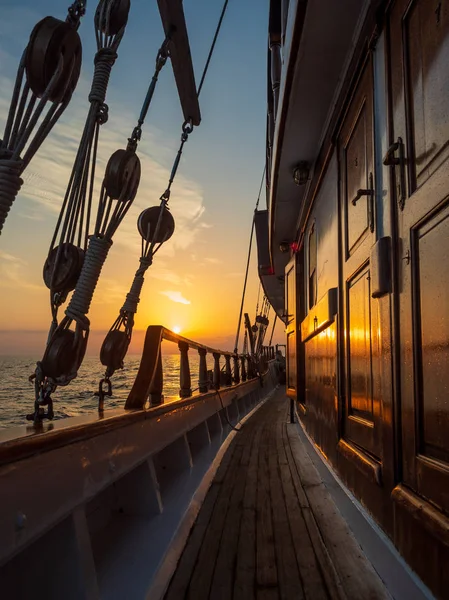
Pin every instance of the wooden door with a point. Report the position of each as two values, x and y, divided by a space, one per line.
419 59
361 421
290 328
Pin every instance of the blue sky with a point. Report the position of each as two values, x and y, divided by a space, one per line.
219 176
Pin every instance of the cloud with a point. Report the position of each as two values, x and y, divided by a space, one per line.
175 297
213 261
163 274
46 178
12 273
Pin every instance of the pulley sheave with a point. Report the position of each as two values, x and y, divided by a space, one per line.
148 221
51 41
122 175
114 19
61 272
114 349
63 355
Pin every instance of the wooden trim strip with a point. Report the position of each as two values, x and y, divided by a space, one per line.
434 521
364 463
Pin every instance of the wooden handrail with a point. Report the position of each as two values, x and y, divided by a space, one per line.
149 379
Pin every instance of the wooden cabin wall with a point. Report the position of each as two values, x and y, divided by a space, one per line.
319 403
373 377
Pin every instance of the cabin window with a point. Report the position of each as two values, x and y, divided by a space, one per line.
312 267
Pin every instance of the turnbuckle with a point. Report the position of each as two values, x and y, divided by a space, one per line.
102 393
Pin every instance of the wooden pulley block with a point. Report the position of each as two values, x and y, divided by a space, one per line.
62 274
114 349
122 175
118 15
61 356
49 40
147 223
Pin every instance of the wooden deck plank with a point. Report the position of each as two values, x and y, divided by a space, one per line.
287 567
266 571
224 573
202 576
245 571
181 579
332 581
358 577
312 579
263 528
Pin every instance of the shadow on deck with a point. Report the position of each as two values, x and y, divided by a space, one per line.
268 527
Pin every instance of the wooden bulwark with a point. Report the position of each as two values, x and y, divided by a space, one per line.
173 21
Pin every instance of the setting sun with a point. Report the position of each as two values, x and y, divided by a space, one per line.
176 329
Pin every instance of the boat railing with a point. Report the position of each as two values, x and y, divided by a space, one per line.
229 368
268 352
99 489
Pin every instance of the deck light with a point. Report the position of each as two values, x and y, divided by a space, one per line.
301 173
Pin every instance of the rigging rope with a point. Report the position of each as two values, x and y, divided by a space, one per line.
48 72
247 265
65 259
69 266
156 226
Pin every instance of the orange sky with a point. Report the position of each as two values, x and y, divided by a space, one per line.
196 279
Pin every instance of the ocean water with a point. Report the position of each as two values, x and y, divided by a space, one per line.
17 393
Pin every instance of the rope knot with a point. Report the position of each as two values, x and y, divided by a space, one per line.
104 61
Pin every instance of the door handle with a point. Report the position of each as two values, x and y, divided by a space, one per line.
370 194
390 160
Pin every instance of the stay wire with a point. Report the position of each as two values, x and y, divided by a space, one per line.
247 263
212 48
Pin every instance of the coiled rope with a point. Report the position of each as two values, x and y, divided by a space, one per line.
82 296
10 184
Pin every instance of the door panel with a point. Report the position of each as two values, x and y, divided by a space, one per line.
357 176
419 41
359 346
356 149
425 28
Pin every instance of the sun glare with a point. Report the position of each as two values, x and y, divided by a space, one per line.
177 329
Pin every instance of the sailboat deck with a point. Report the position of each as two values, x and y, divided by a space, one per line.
268 527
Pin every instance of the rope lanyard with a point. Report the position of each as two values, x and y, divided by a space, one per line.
156 225
69 265
66 348
70 239
48 73
247 265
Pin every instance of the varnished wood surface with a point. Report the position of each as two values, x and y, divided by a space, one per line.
268 528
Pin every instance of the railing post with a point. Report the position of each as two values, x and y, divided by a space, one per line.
147 369
243 359
202 380
216 370
236 369
228 370
157 384
250 368
185 382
